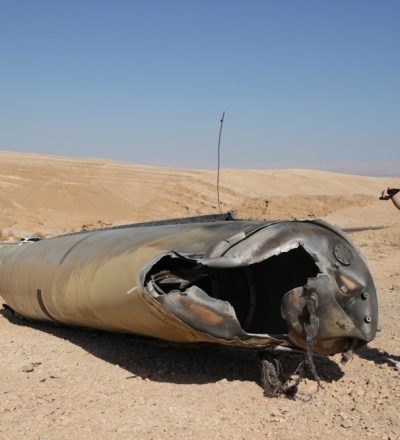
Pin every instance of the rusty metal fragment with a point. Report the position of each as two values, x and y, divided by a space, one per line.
244 283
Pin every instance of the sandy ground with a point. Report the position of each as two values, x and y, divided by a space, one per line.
64 383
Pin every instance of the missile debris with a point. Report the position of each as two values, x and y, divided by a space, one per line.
256 284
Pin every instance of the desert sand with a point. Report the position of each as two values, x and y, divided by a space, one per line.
68 383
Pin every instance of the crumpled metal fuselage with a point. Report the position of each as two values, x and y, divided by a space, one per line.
252 284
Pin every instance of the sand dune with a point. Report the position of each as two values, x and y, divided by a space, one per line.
48 195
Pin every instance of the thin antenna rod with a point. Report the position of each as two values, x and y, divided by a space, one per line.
219 158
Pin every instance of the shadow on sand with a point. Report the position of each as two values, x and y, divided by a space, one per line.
175 363
377 356
362 229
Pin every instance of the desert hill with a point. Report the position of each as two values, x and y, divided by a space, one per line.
49 195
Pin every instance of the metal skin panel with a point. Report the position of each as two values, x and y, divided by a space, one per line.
243 283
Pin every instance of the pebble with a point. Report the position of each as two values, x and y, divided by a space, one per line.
395 420
28 368
124 428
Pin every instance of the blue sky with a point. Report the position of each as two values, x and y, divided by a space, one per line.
304 84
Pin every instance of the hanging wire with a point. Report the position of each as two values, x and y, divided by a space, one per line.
219 159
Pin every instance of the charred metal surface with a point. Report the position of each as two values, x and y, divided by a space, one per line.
245 283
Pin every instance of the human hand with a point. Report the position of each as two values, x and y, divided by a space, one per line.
388 193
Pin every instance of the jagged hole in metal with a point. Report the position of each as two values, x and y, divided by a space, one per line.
254 291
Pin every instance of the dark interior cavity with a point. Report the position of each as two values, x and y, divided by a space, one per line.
255 291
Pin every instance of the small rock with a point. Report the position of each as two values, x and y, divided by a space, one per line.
28 368
396 364
395 420
125 428
360 392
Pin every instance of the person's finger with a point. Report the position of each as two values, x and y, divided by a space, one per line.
384 194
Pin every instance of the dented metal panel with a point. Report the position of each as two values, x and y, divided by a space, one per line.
252 284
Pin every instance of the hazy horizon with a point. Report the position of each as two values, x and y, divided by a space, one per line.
343 168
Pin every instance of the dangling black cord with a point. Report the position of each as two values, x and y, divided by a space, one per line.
311 331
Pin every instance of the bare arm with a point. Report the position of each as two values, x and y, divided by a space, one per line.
393 194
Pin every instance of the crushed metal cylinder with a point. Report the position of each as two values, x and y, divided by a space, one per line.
244 283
